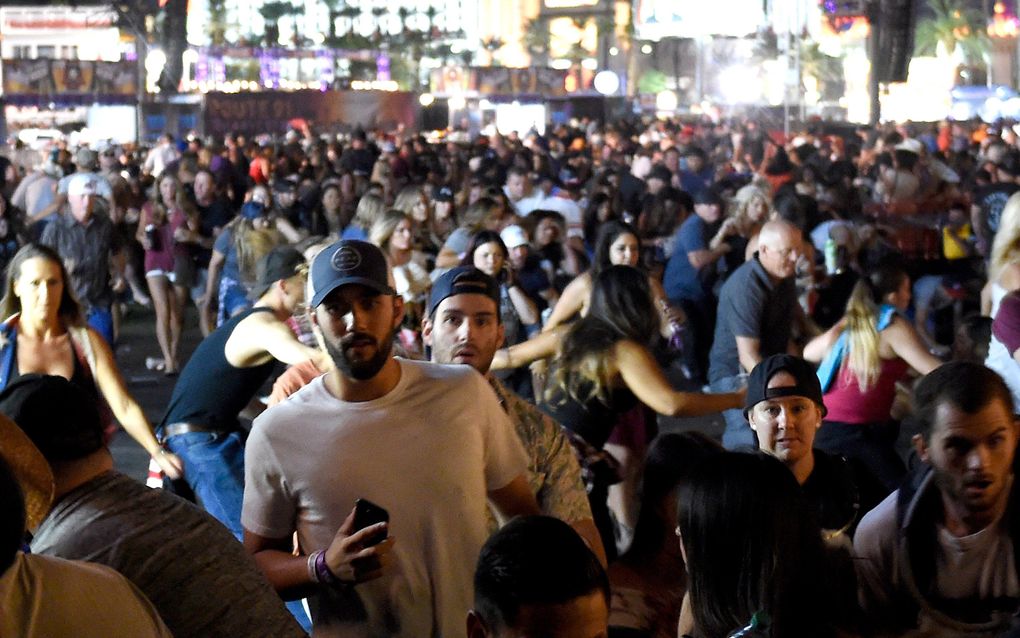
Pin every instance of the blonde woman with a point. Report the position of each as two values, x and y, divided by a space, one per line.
751 208
1004 264
1004 278
862 358
370 208
393 233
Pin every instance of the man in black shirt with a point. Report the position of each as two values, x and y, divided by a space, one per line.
784 407
989 201
223 376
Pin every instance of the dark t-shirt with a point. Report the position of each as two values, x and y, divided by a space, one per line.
210 391
196 574
751 305
214 216
992 199
534 280
681 279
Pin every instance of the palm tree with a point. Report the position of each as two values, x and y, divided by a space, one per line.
217 27
536 40
378 13
403 13
350 14
431 14
271 14
953 26
331 9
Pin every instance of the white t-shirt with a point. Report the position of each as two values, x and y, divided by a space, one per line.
428 452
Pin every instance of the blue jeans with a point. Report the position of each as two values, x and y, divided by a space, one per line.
101 320
214 469
738 434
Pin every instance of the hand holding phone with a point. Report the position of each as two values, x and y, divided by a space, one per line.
357 555
366 514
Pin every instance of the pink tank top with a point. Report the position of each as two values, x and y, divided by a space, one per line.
847 404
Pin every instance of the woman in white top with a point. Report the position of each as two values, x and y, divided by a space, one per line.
393 232
1003 278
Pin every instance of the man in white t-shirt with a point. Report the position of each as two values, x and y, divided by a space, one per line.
938 556
428 443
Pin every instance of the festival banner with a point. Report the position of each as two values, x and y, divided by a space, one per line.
38 81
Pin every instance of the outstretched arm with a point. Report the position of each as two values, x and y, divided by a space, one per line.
645 379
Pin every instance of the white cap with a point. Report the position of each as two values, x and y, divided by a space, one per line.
910 145
513 236
83 184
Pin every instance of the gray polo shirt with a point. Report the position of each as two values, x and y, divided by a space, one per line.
751 305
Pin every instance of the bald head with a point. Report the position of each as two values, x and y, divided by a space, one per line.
776 232
779 247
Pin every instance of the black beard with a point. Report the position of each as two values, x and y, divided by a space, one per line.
360 370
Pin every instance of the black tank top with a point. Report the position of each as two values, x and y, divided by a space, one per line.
79 376
210 391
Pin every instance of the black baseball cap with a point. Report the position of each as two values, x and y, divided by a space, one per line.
349 261
708 196
281 262
442 194
660 172
807 384
60 418
462 280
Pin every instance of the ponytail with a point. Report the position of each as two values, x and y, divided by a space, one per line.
862 334
862 312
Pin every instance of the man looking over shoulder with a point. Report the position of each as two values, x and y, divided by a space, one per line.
463 326
939 554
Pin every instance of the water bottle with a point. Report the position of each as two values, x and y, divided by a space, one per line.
757 627
831 256
152 234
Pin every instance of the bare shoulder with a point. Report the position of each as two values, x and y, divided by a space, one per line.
1009 278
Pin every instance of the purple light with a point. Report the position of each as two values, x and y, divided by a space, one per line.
382 65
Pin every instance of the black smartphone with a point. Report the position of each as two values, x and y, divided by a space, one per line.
366 514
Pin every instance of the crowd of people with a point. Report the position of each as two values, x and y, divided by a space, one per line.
465 386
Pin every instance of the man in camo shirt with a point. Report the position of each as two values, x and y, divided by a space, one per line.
463 326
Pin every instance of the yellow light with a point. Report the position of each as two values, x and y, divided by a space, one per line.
426 99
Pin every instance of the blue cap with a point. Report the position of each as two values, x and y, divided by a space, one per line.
462 280
349 261
252 210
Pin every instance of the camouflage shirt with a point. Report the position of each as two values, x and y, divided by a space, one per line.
553 471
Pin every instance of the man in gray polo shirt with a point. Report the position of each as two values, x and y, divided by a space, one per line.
757 306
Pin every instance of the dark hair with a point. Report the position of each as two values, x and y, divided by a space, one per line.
12 527
608 233
752 545
68 310
669 461
966 385
590 220
478 240
621 308
533 560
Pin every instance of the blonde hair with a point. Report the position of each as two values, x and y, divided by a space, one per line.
252 244
862 310
1006 246
370 208
408 198
384 227
740 205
